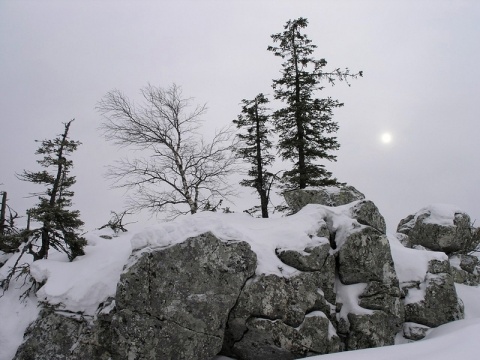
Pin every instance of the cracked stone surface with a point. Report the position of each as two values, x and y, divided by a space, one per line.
274 340
179 298
367 213
435 236
365 257
52 336
330 196
284 301
440 303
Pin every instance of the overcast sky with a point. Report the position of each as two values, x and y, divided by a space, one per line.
421 84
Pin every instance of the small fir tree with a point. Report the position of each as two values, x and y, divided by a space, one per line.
60 225
305 123
255 146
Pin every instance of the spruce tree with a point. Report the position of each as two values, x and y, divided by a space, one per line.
59 225
254 148
305 125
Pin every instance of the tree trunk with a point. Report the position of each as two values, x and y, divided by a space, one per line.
299 122
260 180
2 213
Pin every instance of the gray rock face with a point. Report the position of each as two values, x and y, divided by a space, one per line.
311 259
63 336
424 231
464 269
367 331
52 336
438 302
366 213
461 276
469 263
179 298
414 331
273 340
365 257
329 196
284 301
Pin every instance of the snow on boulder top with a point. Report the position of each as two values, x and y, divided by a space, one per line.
328 196
441 214
438 227
295 232
81 285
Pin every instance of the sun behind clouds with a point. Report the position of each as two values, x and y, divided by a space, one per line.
386 138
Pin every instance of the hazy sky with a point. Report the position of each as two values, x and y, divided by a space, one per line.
421 84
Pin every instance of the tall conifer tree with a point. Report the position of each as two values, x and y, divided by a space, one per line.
255 146
305 125
59 225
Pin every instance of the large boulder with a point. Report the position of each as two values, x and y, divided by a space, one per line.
329 196
179 298
434 302
285 303
365 258
438 227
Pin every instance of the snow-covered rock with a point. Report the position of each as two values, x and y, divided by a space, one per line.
434 302
329 196
437 227
323 280
180 295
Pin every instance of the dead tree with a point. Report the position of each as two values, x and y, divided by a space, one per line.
176 169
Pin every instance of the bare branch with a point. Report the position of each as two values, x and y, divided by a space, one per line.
179 171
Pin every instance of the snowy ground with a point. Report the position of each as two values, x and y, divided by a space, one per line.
82 284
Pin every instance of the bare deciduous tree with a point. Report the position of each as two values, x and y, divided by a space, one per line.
182 172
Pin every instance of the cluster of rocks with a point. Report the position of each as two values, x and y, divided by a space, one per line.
202 297
449 231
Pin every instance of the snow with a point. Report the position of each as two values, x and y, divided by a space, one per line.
80 286
77 286
15 316
264 235
88 280
348 296
441 214
412 264
332 190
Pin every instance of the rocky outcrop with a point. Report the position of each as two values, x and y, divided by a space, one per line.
337 290
438 228
329 196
